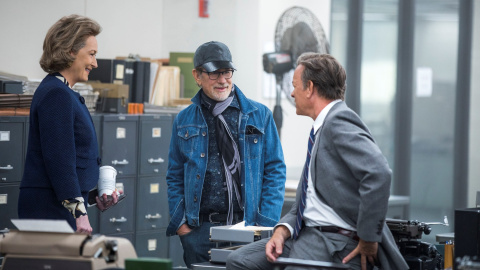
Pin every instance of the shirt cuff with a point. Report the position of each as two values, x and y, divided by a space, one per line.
75 206
286 225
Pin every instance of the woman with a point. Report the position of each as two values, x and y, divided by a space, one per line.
62 162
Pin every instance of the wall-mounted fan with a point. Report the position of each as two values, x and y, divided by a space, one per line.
297 31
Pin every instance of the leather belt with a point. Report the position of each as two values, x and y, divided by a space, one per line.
216 218
342 231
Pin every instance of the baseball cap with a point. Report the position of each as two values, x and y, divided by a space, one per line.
212 56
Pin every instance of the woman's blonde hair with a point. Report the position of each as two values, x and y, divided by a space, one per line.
68 35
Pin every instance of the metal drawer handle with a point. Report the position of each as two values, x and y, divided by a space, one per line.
122 219
9 167
157 216
158 160
123 162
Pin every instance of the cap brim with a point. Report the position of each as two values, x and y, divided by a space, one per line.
216 65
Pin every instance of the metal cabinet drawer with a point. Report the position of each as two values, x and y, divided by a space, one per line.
121 217
119 143
97 123
152 203
155 133
152 244
12 131
8 205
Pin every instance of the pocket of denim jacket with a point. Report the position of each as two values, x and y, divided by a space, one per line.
187 137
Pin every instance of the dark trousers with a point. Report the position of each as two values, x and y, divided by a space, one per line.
196 243
310 245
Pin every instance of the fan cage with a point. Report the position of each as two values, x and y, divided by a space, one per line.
288 20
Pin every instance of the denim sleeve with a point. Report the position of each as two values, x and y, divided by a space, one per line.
175 181
274 175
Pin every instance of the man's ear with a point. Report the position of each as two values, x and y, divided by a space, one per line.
196 76
310 89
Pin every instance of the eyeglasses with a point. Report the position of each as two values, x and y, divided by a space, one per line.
227 74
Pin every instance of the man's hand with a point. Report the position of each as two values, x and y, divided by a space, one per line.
368 251
105 202
83 225
184 229
274 247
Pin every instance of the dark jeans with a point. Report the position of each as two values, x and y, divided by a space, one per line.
196 243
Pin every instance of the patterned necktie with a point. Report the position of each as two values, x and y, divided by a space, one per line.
303 198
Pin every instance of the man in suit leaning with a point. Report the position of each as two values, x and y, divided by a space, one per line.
342 197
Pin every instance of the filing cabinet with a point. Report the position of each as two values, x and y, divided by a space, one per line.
8 204
119 143
13 142
152 244
12 132
155 133
137 147
152 203
120 218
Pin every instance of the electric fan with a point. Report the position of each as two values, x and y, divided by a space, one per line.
298 31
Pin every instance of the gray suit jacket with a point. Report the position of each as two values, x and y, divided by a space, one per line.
352 176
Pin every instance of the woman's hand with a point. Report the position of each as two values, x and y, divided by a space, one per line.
104 202
83 225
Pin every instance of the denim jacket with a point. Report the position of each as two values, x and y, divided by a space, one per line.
263 171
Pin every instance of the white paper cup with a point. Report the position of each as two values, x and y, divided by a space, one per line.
106 180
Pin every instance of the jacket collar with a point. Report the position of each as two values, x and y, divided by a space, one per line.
246 106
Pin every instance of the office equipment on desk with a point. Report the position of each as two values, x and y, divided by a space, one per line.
11 87
141 82
112 98
419 255
467 232
36 249
135 74
234 236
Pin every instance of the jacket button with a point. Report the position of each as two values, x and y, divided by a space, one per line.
198 176
195 198
82 100
255 140
202 155
204 134
186 134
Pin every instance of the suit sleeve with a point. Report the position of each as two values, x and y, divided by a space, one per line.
56 124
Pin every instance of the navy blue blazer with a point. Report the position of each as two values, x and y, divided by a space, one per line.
62 160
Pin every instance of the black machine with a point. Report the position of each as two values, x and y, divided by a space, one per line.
419 255
467 232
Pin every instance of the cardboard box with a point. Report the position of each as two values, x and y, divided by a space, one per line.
110 90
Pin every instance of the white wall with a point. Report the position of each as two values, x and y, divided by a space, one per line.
154 28
474 159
